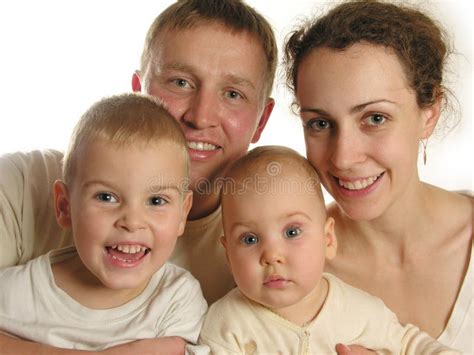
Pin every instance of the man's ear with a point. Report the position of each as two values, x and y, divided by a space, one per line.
62 204
187 203
331 240
136 82
430 117
267 111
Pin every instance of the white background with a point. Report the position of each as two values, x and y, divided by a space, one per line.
58 57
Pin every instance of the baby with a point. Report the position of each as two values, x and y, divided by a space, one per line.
277 237
126 199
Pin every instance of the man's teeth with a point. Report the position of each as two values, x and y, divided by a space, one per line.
358 184
129 249
201 146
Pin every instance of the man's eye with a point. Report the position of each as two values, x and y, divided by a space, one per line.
249 239
375 119
182 83
106 197
292 232
233 94
157 201
318 124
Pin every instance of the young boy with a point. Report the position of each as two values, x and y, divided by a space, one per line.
125 197
277 237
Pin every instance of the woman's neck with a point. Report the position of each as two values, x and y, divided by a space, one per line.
397 233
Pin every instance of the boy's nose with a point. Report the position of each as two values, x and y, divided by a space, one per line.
131 219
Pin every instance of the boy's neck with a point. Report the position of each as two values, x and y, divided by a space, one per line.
80 284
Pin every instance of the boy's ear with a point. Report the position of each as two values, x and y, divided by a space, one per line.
331 240
430 118
187 203
136 82
62 204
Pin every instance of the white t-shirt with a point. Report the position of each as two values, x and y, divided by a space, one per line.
32 307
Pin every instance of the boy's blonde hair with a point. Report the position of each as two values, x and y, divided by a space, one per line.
271 162
233 14
124 120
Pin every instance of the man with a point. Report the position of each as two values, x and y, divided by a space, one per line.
212 62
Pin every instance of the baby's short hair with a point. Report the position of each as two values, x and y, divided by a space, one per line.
124 120
269 164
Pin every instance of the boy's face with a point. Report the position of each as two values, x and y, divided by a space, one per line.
126 211
276 244
213 82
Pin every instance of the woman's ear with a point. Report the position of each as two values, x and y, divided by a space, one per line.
430 117
62 204
331 240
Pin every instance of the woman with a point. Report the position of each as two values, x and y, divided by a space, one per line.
368 82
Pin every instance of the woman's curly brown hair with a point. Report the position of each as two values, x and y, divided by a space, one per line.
416 39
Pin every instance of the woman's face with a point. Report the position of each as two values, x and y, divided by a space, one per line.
362 126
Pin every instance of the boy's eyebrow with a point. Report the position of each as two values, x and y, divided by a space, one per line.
158 188
151 188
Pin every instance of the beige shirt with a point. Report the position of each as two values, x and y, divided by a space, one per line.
28 226
32 307
236 325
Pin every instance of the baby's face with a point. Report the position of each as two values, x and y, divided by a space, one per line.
127 211
277 242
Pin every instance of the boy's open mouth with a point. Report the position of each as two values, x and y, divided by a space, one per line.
127 253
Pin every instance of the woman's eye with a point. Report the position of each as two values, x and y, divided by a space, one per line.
375 119
157 201
106 197
318 124
292 232
249 239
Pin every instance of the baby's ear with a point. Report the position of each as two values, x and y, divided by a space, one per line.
331 240
62 204
223 241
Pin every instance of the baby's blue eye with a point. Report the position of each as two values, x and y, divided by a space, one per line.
249 239
105 197
157 201
292 232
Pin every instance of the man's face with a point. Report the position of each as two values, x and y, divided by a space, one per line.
212 81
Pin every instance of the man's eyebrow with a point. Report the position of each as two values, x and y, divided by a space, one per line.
232 78
238 80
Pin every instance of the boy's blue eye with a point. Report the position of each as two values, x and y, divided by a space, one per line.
249 239
105 197
157 201
292 232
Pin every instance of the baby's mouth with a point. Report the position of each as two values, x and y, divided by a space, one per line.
127 253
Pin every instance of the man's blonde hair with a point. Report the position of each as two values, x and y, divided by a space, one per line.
233 14
124 120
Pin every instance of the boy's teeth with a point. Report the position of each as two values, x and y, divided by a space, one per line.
201 146
129 249
358 184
